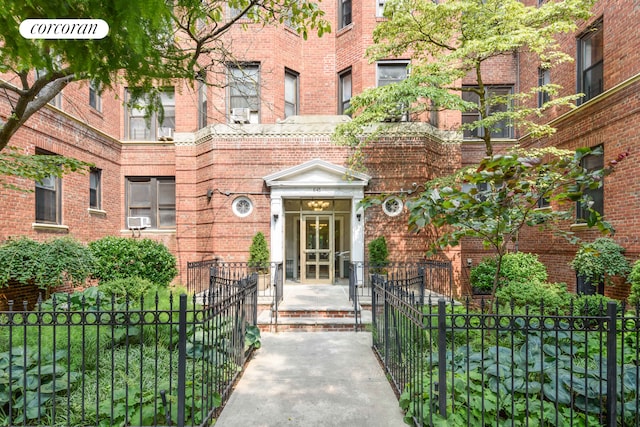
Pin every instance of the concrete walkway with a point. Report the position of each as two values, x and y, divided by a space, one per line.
313 379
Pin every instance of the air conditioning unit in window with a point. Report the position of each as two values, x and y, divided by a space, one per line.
240 115
398 114
165 134
138 222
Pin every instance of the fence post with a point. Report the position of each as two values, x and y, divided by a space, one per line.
182 359
611 364
385 287
442 357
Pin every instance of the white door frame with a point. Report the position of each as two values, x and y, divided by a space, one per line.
317 179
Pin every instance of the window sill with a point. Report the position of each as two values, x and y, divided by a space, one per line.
96 212
344 29
150 231
543 209
49 227
580 226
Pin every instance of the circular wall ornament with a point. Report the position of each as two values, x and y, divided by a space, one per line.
242 206
392 206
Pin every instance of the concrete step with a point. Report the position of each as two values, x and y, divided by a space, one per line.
312 319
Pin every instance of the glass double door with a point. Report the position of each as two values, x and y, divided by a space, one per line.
316 247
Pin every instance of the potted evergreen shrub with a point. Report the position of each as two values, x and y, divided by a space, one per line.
378 255
597 262
259 259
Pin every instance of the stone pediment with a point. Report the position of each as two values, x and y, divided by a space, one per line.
319 173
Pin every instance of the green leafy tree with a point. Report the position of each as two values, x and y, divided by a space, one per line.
500 196
150 42
452 39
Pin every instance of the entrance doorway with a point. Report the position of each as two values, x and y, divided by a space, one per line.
317 248
317 240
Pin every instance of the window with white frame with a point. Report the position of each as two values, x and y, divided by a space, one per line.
344 12
154 198
56 101
290 93
202 104
544 78
48 194
344 89
591 63
95 188
392 206
389 72
502 129
145 125
242 206
244 93
592 162
95 98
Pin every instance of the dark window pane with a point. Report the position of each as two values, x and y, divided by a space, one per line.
46 206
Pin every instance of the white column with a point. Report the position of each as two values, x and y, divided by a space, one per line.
357 230
277 229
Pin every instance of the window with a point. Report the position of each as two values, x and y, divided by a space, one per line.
202 104
502 128
95 188
244 96
592 162
290 93
56 101
95 99
392 206
242 207
544 78
156 126
391 72
380 7
344 18
48 198
590 63
344 91
154 198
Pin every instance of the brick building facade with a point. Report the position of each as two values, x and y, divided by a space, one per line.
225 164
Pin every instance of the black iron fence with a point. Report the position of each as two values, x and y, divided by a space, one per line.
507 366
425 278
201 274
85 360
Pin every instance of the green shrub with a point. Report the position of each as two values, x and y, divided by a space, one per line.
378 253
259 252
131 287
593 305
48 264
634 279
516 267
554 297
597 261
122 257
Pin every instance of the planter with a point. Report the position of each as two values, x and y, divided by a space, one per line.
264 281
480 291
584 287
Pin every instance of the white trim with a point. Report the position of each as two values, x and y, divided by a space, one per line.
301 182
51 227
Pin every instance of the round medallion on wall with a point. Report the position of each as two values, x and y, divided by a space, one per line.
392 206
242 206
